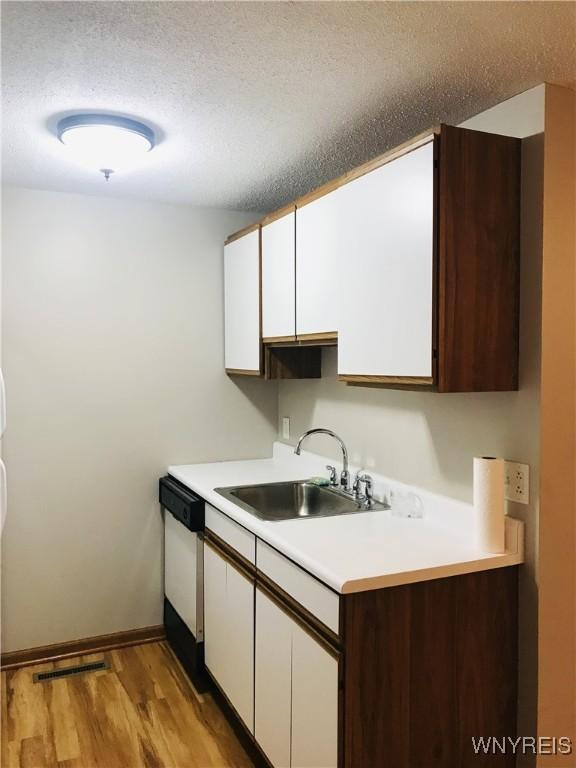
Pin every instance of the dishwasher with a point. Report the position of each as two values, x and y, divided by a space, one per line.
184 576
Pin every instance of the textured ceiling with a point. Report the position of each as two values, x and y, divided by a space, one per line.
259 102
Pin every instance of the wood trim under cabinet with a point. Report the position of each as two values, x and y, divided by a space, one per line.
330 337
303 340
412 381
242 372
306 620
231 555
98 644
279 339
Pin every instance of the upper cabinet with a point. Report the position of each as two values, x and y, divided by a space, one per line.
386 248
432 290
410 262
242 304
318 251
278 278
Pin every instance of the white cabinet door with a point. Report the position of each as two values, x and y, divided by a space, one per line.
317 265
240 644
242 303
229 632
180 569
278 278
314 703
215 632
296 695
273 681
386 247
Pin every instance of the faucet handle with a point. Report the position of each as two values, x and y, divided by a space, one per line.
356 483
332 470
368 487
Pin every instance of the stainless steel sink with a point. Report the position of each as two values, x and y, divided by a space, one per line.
293 500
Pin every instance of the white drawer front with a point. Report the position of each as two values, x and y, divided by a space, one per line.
233 534
305 589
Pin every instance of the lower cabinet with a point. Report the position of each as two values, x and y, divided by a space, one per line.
368 694
296 691
229 631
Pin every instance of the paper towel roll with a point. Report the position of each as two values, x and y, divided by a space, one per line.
489 506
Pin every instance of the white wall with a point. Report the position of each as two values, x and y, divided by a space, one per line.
428 439
113 355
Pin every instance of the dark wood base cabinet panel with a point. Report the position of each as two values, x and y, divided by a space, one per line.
427 667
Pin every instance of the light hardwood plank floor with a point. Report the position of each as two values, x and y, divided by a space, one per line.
141 713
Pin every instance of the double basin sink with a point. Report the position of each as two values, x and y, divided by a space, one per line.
295 500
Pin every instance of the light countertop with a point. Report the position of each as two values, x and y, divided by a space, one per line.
361 551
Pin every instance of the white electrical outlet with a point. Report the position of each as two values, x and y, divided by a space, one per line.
517 482
285 428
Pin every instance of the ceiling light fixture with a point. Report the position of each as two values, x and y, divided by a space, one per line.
106 143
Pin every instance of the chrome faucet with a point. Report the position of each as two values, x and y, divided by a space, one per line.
344 475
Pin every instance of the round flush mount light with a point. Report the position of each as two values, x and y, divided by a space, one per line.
106 143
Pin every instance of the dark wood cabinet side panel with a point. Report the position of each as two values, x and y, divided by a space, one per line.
376 684
486 620
479 261
427 667
432 689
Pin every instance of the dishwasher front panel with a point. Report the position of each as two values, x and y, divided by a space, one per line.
183 573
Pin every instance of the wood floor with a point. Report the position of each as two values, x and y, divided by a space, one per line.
141 713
